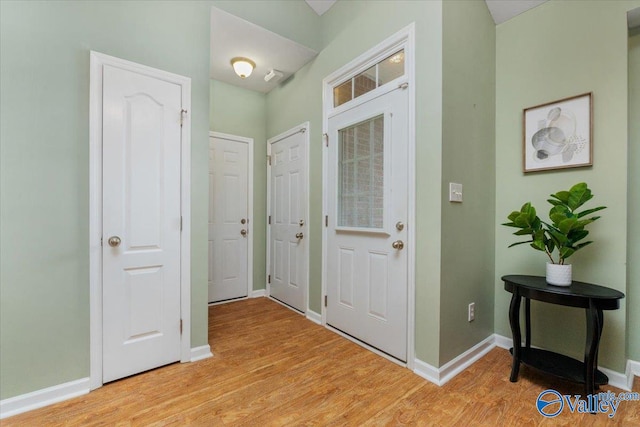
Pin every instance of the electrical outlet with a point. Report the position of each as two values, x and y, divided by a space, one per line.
472 311
455 192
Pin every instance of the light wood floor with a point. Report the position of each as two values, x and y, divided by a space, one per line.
273 367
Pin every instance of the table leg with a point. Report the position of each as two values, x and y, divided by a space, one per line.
527 322
594 330
514 321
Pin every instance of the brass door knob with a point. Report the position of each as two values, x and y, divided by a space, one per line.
114 241
243 232
299 236
398 244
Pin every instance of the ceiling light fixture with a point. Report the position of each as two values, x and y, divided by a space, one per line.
243 66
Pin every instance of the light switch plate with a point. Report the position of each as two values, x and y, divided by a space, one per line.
455 192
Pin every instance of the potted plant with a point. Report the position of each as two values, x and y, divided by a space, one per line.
562 235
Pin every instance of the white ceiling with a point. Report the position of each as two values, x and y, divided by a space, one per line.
320 6
503 10
232 36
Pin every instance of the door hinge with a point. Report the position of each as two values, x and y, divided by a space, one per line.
180 223
269 159
269 219
182 114
180 326
325 300
326 139
101 241
326 220
269 279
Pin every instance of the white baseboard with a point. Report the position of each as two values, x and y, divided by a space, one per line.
259 293
199 353
314 317
633 369
40 398
446 372
616 379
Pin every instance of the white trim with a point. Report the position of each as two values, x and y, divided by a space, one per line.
503 342
314 317
621 380
200 353
97 61
259 293
306 129
446 372
44 397
403 38
633 369
249 142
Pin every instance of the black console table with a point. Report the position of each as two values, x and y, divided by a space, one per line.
592 298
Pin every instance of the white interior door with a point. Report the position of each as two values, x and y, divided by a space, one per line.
288 237
228 218
367 203
141 222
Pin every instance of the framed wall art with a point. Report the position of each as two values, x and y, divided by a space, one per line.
558 134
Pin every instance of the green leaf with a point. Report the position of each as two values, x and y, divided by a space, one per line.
523 232
577 235
519 243
582 245
566 225
590 211
563 196
566 252
579 194
537 245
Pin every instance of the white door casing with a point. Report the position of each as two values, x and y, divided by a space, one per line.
139 228
367 198
402 40
288 237
230 225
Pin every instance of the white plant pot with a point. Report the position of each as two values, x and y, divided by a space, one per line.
559 275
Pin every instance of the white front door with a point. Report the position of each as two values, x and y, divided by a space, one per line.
367 203
228 218
288 236
141 222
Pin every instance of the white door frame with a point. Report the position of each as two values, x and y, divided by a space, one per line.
249 142
304 128
405 38
97 61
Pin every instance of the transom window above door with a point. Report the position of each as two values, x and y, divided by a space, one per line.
381 73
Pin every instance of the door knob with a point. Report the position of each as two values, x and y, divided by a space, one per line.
301 223
243 221
399 226
299 236
243 232
114 241
398 244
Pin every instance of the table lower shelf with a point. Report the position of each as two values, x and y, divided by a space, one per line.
558 365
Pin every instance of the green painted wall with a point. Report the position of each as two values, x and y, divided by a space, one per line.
556 50
633 255
44 169
350 28
242 112
468 157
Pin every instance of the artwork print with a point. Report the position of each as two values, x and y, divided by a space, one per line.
558 134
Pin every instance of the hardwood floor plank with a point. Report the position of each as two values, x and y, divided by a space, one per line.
272 367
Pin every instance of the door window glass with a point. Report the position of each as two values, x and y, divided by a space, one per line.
361 174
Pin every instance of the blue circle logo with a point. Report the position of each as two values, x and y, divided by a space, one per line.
550 403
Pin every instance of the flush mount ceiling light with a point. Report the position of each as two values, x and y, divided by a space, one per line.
243 66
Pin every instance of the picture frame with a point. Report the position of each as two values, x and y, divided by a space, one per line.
558 134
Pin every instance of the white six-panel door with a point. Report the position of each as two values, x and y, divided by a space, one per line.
141 222
288 236
228 218
367 202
